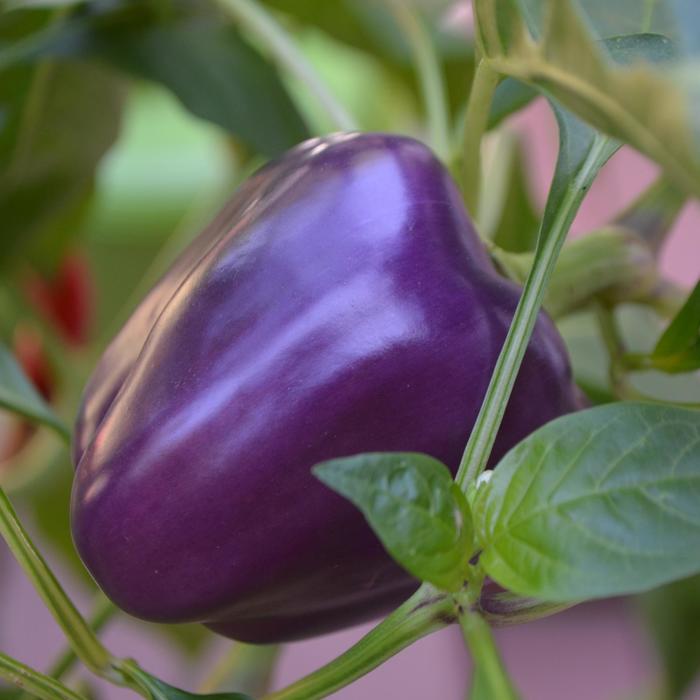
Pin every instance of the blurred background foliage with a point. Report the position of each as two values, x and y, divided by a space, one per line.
124 124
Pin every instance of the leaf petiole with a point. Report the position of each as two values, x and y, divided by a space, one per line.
424 612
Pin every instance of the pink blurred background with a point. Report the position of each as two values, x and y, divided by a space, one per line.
594 651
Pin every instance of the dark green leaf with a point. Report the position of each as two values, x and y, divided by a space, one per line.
652 215
369 26
674 616
582 153
193 52
601 503
19 396
678 349
216 74
417 511
511 95
57 121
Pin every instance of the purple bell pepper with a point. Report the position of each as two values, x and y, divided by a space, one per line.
340 303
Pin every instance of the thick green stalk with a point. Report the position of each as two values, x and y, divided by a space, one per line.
508 364
83 640
429 73
260 23
479 640
104 612
425 612
34 683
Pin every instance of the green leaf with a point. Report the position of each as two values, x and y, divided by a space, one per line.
653 108
673 613
589 356
58 120
195 53
417 511
604 502
368 25
510 96
678 349
19 396
652 215
609 19
216 74
157 689
507 212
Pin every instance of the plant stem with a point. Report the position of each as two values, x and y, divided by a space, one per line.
505 373
424 612
429 73
84 642
33 682
260 23
104 611
475 123
481 644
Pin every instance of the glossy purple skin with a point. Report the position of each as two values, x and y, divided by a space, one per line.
341 303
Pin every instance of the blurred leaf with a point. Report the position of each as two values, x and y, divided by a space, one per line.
417 511
652 215
369 26
650 108
19 396
678 349
508 215
510 96
215 73
58 120
193 51
673 613
601 503
582 153
589 357
619 17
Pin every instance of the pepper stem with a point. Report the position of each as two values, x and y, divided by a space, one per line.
424 612
487 661
508 364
